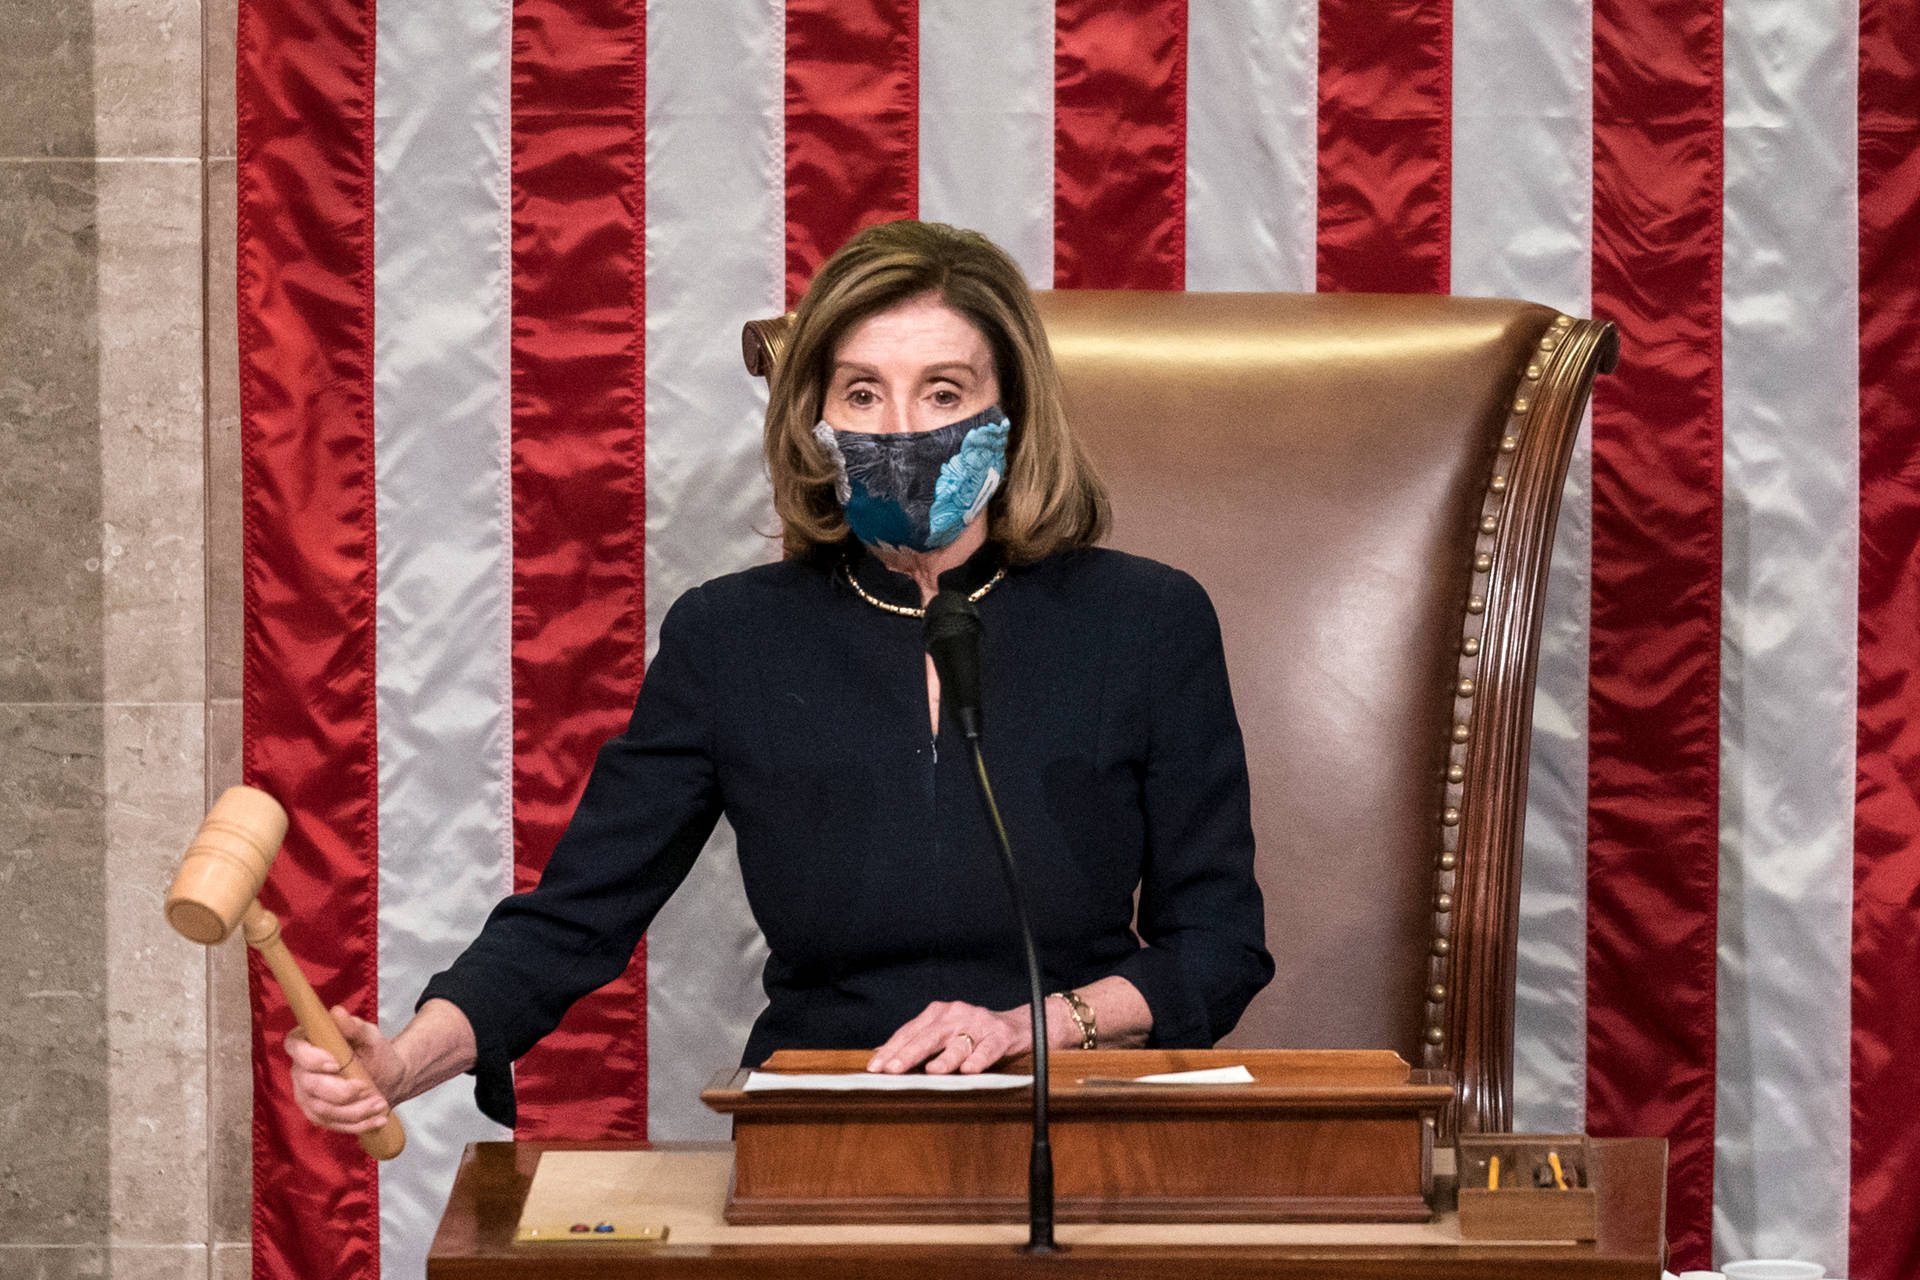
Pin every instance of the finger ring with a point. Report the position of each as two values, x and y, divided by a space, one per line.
971 1042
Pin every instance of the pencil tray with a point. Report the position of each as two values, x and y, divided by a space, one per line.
1528 1203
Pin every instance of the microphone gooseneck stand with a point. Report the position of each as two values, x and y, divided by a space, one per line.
953 642
1040 1162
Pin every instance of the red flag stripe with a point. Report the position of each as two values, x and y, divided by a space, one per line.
306 360
1386 139
1885 1213
1120 144
853 124
579 493
1653 774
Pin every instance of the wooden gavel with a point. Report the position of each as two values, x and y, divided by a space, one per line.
224 868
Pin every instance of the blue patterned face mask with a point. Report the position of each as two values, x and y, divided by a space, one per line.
915 491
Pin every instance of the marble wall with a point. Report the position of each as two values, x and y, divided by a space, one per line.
124 1126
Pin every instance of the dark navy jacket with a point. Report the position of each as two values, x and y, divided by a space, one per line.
784 700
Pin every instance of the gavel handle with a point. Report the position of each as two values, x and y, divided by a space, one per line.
262 930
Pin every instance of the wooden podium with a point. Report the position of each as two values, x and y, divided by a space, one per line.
1318 1136
1268 1179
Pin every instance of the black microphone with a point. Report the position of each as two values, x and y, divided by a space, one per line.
953 642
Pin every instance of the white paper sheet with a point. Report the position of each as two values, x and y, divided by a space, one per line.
1211 1075
857 1081
854 1081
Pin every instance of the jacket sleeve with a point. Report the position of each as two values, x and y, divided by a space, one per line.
1200 911
648 808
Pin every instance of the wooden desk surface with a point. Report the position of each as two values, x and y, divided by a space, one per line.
476 1236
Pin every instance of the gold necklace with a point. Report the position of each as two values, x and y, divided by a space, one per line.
903 610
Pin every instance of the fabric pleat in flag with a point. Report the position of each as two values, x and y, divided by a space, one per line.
493 263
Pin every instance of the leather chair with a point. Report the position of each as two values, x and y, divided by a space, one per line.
1367 486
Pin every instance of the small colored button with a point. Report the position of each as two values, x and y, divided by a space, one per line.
579 1226
604 1226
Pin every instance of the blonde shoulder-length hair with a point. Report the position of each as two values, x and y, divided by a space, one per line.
1051 500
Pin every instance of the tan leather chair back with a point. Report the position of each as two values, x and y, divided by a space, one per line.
1367 486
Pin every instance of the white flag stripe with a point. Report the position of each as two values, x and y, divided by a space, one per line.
1522 228
986 124
1252 144
1790 571
1550 1008
715 245
441 430
1523 153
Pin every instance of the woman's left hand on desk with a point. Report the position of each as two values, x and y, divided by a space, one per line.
952 1036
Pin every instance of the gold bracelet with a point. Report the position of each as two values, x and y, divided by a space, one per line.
1082 1014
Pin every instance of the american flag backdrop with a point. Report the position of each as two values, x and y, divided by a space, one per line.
494 258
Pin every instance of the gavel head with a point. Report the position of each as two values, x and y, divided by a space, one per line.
226 864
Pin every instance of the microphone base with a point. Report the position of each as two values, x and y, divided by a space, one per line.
1040 1166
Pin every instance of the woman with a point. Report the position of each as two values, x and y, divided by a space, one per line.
916 440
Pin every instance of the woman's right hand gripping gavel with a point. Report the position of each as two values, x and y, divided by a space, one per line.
436 1045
